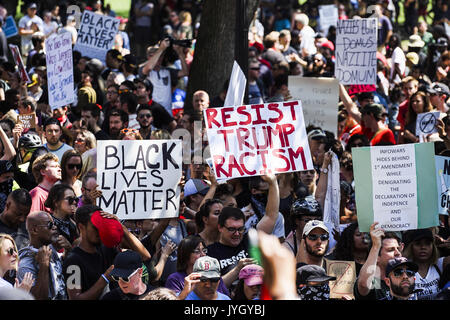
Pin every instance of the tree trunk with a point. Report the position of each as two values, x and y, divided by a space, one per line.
215 47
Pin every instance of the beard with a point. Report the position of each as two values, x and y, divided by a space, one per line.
402 291
316 254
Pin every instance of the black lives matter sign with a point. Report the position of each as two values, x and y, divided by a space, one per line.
139 178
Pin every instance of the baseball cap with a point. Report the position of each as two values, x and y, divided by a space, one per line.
208 267
125 263
441 42
438 88
130 60
418 234
32 6
312 272
317 134
313 224
194 186
394 263
252 274
109 230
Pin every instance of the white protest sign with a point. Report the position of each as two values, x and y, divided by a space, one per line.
139 178
426 123
60 70
96 35
320 98
345 273
356 51
236 87
329 16
443 183
257 139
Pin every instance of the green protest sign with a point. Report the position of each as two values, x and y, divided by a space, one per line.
396 186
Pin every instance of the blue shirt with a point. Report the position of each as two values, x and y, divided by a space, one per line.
193 296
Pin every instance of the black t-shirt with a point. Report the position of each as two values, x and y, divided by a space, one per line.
229 256
20 235
380 291
92 265
117 294
161 118
102 135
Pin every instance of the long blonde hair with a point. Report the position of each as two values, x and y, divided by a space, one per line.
4 236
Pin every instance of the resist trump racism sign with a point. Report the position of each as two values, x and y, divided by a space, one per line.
258 139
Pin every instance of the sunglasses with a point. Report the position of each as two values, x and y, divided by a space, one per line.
72 200
314 237
49 225
11 251
123 91
233 230
256 69
399 272
214 280
72 166
128 130
125 279
147 115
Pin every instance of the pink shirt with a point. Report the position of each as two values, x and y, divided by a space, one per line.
38 197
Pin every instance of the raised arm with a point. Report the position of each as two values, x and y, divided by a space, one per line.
8 149
153 60
269 219
350 106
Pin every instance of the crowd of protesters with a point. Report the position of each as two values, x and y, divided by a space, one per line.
56 243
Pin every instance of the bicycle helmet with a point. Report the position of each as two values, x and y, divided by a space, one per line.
306 206
29 140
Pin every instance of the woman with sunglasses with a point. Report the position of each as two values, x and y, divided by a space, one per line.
130 134
182 282
9 261
63 203
71 165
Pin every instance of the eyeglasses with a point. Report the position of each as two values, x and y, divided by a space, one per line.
72 166
11 251
128 130
146 115
314 237
198 251
49 225
399 272
123 91
72 200
125 279
233 230
214 280
256 69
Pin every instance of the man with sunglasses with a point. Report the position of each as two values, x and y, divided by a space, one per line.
145 119
400 278
206 273
41 259
314 244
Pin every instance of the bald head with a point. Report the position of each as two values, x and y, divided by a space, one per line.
37 218
200 100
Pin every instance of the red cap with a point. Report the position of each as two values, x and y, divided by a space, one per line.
110 230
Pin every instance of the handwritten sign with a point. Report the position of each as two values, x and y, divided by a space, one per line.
60 70
358 88
139 178
443 183
356 50
27 121
96 35
10 27
426 123
345 273
19 63
257 139
394 185
329 16
320 98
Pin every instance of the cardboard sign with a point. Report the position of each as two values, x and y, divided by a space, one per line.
139 178
345 273
60 70
257 139
320 98
394 186
10 27
356 51
19 63
96 35
329 16
28 121
443 183
426 123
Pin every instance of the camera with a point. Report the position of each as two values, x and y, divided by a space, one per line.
186 43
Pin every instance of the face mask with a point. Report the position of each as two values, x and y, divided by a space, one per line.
314 292
260 197
6 186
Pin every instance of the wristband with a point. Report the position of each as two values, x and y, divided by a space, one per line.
105 278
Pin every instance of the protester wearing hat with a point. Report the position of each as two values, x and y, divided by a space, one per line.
400 278
316 140
312 283
28 25
439 94
127 273
129 67
314 244
421 249
101 236
250 282
194 192
114 60
207 270
373 116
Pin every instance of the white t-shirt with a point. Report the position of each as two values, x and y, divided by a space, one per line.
307 33
162 87
398 56
48 28
4 283
25 22
429 284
